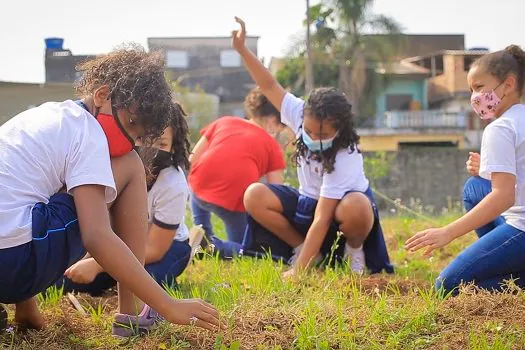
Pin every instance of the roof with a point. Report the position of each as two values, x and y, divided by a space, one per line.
410 45
449 53
402 68
197 37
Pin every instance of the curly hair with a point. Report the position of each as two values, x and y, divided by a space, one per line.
501 63
180 143
257 105
135 79
329 104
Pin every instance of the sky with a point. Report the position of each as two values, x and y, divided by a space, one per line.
100 25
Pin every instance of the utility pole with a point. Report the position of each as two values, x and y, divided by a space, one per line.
309 81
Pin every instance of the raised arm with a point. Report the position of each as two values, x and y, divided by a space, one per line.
262 77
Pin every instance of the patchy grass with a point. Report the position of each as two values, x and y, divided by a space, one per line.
330 309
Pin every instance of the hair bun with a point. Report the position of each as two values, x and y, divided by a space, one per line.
518 54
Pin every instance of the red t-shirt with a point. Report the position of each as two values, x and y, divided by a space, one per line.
239 153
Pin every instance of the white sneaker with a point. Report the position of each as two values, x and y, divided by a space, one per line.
357 259
195 238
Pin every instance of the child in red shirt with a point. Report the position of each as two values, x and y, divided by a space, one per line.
232 154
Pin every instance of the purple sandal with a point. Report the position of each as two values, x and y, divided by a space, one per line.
126 326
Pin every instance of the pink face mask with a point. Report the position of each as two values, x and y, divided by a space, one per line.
485 103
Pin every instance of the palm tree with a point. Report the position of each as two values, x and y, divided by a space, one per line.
355 50
341 38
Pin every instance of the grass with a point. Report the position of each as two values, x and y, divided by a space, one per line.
330 309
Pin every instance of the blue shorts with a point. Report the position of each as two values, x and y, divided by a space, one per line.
299 211
30 268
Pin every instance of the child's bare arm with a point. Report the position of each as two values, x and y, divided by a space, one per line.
118 260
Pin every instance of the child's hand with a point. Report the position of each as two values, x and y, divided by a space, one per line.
473 163
195 312
84 271
239 36
433 238
290 274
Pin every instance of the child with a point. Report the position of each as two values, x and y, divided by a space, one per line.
167 248
334 193
232 154
496 81
63 165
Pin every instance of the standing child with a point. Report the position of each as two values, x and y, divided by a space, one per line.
496 81
334 193
167 248
63 165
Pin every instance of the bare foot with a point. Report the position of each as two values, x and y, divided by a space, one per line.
28 316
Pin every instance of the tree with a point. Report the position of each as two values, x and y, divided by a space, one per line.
342 38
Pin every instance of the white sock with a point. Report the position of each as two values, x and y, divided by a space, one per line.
350 251
297 249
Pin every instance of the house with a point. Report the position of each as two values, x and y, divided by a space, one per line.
209 63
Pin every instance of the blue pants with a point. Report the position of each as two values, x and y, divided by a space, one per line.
475 189
31 268
299 211
164 271
497 255
235 222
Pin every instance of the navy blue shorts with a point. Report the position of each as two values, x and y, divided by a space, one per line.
30 268
299 211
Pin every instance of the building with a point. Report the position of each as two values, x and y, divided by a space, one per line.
60 63
211 64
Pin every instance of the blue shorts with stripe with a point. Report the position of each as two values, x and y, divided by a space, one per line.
30 268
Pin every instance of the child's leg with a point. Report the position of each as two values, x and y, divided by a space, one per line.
28 315
355 217
172 264
201 217
265 207
129 218
235 223
474 190
496 256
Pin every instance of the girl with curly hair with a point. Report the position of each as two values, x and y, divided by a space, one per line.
334 193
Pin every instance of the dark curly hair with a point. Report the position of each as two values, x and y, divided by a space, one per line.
330 105
180 143
135 78
501 63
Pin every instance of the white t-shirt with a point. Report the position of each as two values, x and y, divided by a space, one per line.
41 150
348 174
167 200
503 151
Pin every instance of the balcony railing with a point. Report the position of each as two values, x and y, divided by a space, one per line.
422 120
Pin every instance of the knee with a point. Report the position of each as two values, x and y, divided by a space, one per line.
255 196
474 190
355 209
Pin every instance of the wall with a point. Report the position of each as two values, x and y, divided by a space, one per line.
433 175
17 97
416 88
374 140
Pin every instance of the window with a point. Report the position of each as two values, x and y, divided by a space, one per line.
177 59
230 58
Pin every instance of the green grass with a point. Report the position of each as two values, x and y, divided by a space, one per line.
330 309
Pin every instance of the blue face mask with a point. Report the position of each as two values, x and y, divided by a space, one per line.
315 145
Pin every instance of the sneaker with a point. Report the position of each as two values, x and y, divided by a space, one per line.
126 326
196 236
357 259
297 250
3 318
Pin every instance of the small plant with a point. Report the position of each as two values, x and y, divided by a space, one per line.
51 297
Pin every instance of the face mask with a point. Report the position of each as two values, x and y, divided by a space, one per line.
315 146
485 103
154 160
119 141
